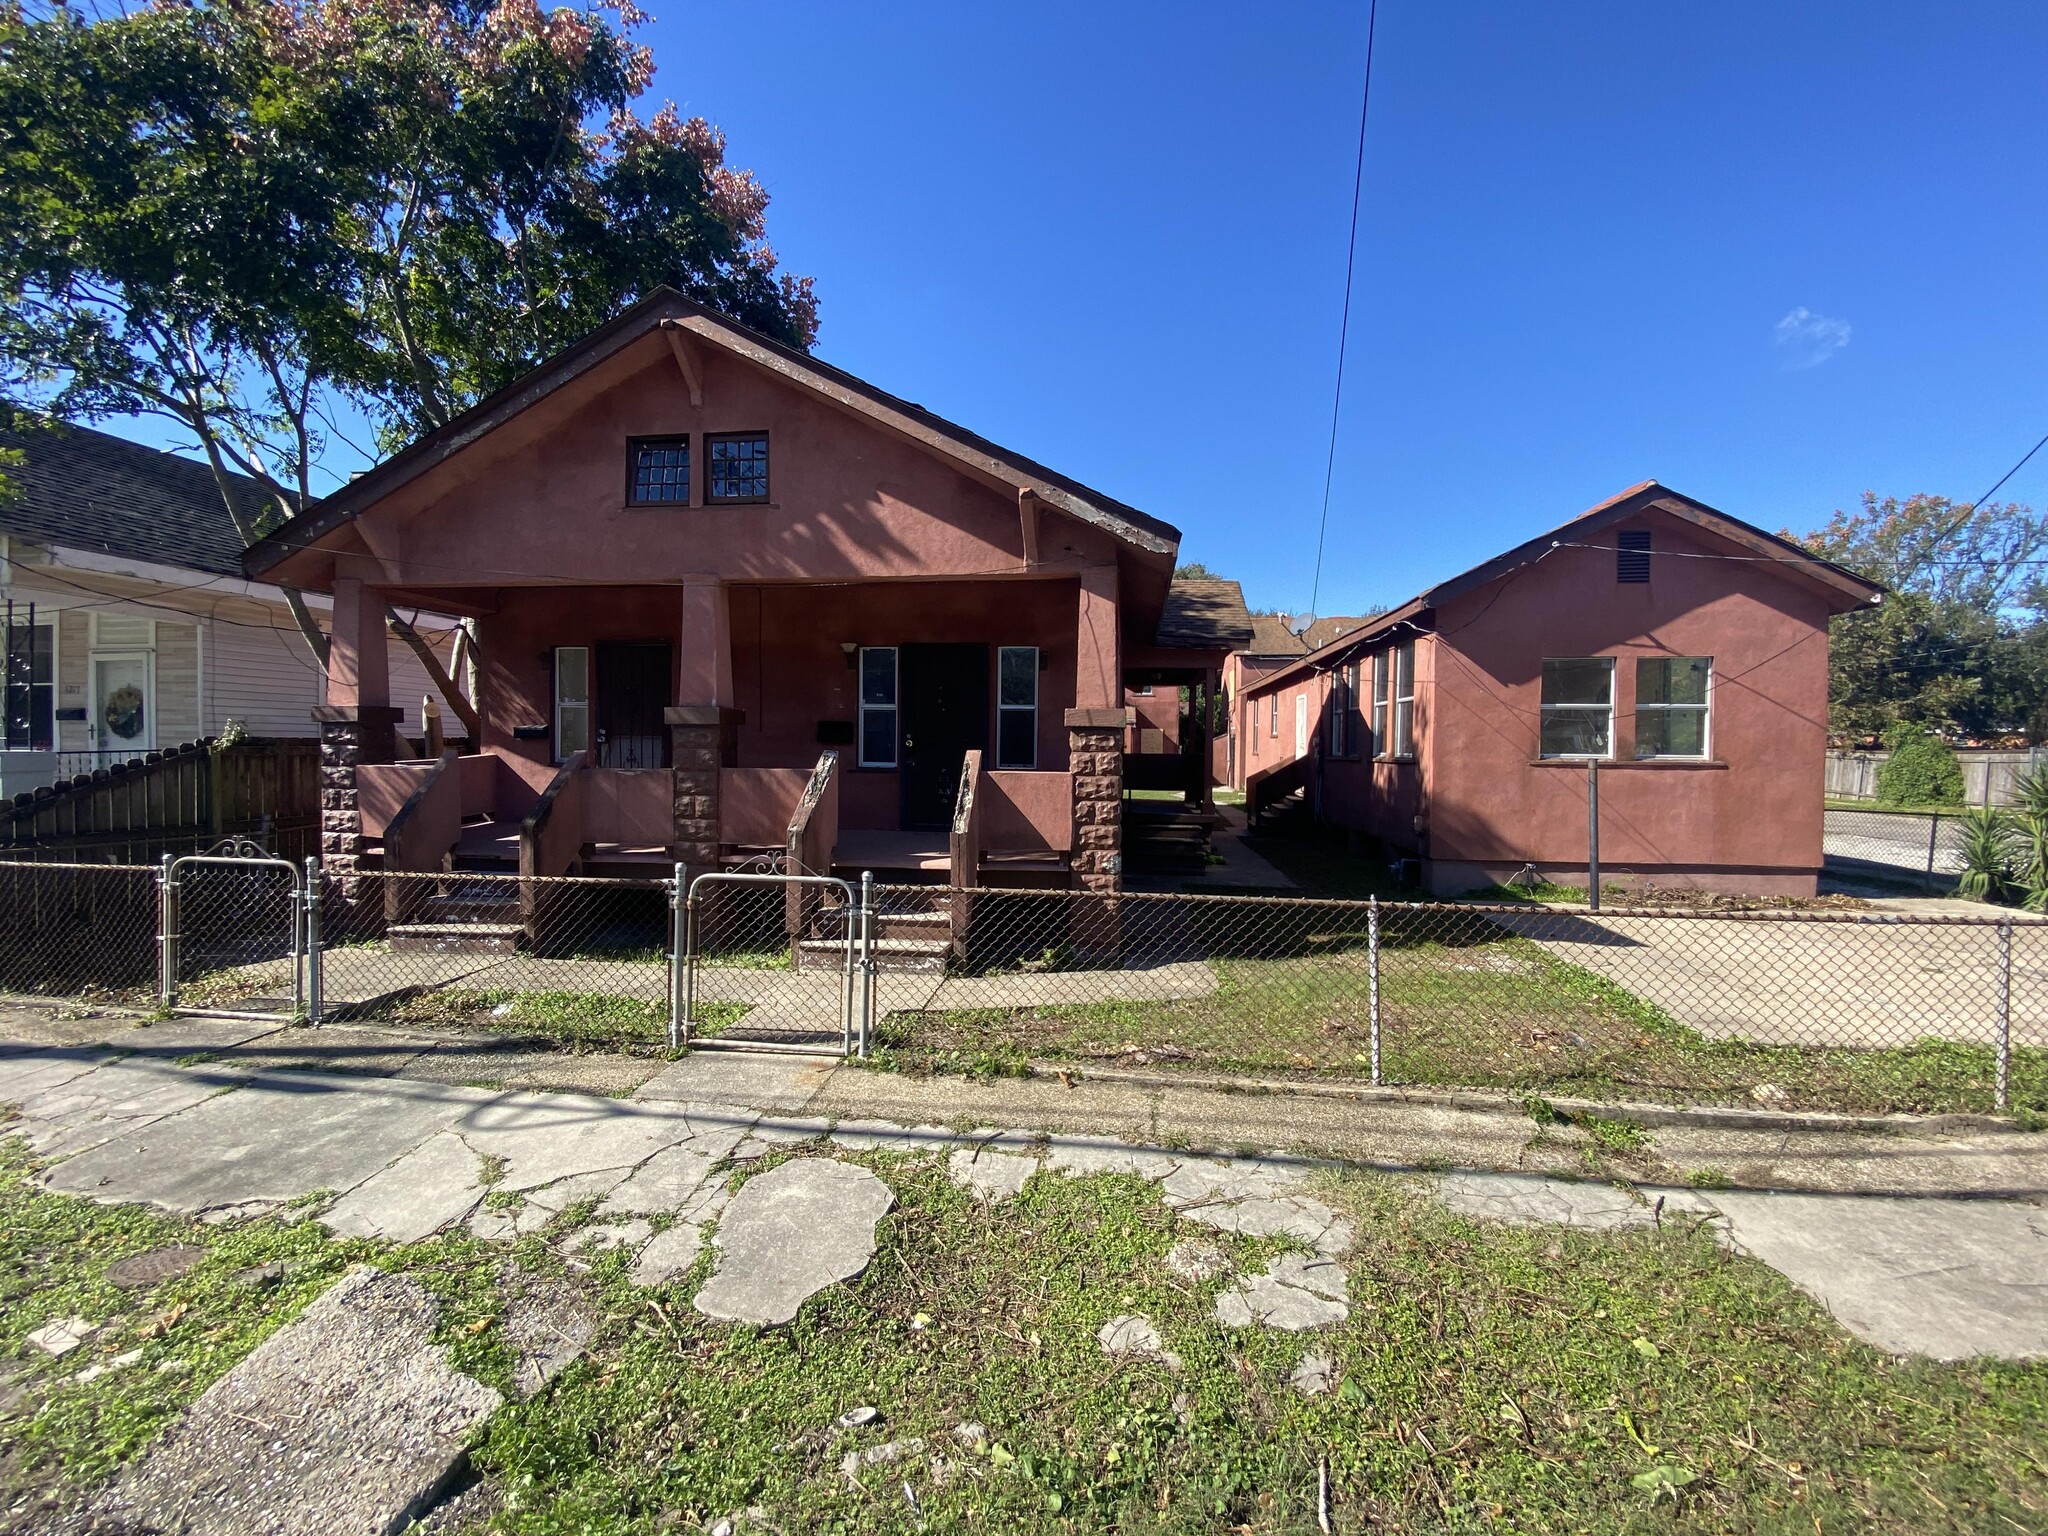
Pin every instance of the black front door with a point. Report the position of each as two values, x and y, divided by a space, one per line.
632 690
944 690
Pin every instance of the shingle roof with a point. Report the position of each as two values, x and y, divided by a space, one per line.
1272 637
90 490
1323 631
1204 613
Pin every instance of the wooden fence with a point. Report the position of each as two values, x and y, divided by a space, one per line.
178 801
1989 777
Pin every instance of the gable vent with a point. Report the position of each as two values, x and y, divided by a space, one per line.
1632 555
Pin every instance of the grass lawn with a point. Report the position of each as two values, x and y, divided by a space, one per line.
1487 1379
575 1020
1503 1014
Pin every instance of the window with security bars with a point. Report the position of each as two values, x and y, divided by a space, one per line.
737 467
1671 706
1578 707
1632 555
1017 706
661 470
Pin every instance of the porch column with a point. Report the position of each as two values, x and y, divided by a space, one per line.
1098 669
1095 758
357 723
703 725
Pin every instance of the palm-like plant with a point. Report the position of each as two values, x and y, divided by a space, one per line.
1991 847
2030 795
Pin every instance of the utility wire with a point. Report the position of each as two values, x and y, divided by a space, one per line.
1344 325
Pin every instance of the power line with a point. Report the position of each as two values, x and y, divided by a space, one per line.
1344 325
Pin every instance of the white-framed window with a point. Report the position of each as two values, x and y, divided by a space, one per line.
1578 707
878 706
1301 724
31 691
1344 711
1251 727
1671 705
572 700
1017 706
1142 691
1273 721
1404 699
1382 695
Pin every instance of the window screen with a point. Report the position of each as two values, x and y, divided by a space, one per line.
1017 706
1632 555
878 706
1671 706
1578 708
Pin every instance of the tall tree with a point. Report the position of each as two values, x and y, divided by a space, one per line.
1959 643
242 215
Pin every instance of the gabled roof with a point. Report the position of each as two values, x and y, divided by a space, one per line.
1272 637
1847 590
1204 613
1323 631
665 307
89 490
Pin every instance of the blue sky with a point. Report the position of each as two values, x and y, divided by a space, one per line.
1112 237
1773 255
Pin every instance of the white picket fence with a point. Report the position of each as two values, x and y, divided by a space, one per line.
1989 777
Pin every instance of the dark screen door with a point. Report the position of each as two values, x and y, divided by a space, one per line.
945 716
632 690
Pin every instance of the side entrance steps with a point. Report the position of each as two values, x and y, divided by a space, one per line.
913 933
1162 839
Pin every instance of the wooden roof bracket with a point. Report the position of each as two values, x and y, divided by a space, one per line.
686 359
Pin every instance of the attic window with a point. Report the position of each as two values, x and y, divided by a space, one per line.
1632 555
739 467
661 470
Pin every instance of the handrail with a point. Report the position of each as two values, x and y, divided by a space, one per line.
558 810
425 829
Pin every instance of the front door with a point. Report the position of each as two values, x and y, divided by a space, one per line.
632 690
944 689
123 713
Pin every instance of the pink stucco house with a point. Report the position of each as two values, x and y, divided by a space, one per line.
1682 651
731 600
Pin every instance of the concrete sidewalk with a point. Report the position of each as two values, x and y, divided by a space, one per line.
198 1116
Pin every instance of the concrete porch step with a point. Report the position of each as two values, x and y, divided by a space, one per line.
918 955
455 938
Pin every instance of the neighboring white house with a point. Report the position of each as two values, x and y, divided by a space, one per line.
144 633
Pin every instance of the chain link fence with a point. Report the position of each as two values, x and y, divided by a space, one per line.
1838 1010
1923 848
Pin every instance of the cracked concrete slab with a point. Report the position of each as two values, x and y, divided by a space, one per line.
665 1182
1944 1278
994 1176
1529 1200
120 1096
756 1079
887 1136
1294 1294
1256 1198
543 1137
1132 1335
1082 1155
348 1419
669 1253
276 1137
435 1185
788 1234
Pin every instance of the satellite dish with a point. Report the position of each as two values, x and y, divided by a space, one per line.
1300 623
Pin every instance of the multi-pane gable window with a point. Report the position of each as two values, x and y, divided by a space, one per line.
1017 706
1382 745
878 706
661 470
1404 700
1578 708
738 467
1632 555
1671 706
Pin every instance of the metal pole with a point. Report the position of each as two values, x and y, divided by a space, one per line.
1372 977
681 1037
2003 1086
1933 830
316 972
298 905
867 959
1593 834
167 936
677 894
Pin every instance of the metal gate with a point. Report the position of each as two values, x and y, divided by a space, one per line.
241 926
772 962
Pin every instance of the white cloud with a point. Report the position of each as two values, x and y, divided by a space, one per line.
1806 340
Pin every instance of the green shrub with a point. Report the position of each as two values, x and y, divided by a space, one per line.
1921 771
